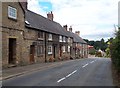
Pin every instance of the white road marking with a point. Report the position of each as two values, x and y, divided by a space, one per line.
61 79
67 76
92 62
71 73
85 65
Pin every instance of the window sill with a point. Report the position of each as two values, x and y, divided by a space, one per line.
49 53
12 19
40 39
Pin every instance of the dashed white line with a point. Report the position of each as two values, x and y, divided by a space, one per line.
61 79
67 76
85 65
92 62
71 73
74 72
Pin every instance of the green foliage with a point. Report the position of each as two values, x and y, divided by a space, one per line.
107 52
98 54
92 51
98 44
115 50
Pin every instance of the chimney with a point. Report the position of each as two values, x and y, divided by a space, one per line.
77 32
65 26
50 16
70 29
23 4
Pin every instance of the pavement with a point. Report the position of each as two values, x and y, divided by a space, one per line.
17 71
79 72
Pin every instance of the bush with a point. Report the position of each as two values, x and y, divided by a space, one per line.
98 54
115 50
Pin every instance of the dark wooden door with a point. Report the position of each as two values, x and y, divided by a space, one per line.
12 51
54 50
60 51
32 52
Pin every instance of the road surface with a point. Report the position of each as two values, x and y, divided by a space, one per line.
85 72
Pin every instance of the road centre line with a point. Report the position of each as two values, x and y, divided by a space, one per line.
71 73
85 65
61 79
92 62
67 76
74 72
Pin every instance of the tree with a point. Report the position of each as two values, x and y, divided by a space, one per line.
115 50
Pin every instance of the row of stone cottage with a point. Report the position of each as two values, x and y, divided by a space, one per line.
28 37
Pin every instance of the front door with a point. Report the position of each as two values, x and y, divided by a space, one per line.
60 50
12 51
54 50
32 52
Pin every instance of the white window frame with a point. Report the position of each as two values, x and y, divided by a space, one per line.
12 12
64 39
63 48
68 48
50 49
60 38
68 40
50 37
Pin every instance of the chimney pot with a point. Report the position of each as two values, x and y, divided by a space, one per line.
70 29
50 16
77 32
65 26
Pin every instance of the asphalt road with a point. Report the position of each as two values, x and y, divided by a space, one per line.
86 72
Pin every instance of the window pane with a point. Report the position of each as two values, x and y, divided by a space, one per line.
12 12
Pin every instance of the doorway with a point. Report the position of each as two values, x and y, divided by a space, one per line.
32 52
60 51
12 51
54 50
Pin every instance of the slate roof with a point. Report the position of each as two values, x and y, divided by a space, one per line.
39 22
77 38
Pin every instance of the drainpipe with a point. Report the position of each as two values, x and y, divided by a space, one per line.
45 48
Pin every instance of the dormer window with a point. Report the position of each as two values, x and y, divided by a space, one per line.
12 12
50 37
40 35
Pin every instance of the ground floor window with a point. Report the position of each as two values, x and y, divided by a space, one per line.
50 49
68 48
63 48
40 50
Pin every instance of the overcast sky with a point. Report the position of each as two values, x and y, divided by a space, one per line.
94 19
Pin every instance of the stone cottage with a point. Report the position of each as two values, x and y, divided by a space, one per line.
29 38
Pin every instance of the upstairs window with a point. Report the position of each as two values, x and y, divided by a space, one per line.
68 40
40 35
64 39
50 37
60 38
12 12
